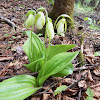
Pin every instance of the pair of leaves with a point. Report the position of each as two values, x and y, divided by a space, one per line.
90 94
18 87
55 65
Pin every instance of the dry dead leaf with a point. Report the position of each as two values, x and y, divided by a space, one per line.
97 71
36 98
5 69
90 59
89 76
67 98
70 92
19 50
68 81
45 96
96 89
82 84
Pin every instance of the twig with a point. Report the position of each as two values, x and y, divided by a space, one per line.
8 21
86 67
5 58
75 83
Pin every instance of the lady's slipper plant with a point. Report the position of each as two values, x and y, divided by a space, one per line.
50 61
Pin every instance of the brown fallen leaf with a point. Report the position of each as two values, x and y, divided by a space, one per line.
5 69
45 96
68 81
96 89
82 84
70 92
36 98
89 76
97 71
90 59
67 98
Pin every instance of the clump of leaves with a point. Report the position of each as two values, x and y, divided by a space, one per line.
50 61
90 94
92 24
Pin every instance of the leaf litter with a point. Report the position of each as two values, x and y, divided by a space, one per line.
12 56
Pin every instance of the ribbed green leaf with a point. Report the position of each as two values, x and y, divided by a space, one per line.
35 52
56 64
18 87
55 49
36 65
36 41
66 71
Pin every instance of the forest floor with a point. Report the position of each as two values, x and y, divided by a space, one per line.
12 56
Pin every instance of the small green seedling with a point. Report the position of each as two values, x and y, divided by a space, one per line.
97 53
90 94
51 1
60 89
13 37
50 61
6 35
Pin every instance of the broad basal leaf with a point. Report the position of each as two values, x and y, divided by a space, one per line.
55 49
66 71
36 41
18 87
56 64
35 51
36 65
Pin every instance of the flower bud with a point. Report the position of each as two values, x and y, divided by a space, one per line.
29 21
49 29
61 26
40 20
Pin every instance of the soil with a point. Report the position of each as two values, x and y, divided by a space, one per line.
12 56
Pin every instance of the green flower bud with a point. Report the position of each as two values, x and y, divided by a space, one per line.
49 29
40 20
30 21
61 26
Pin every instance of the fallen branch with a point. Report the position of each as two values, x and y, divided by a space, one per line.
5 58
8 21
86 67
